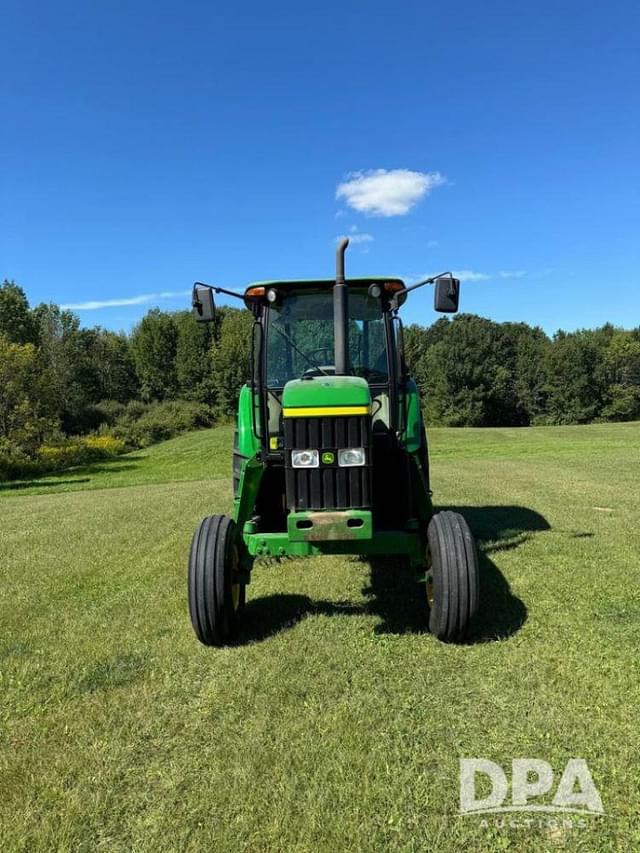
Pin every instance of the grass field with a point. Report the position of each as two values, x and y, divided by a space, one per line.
336 724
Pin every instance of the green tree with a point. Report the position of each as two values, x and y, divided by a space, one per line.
528 359
194 369
98 366
417 342
469 374
115 371
575 378
622 368
55 330
230 356
153 345
27 404
17 323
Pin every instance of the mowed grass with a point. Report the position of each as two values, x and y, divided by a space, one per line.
336 723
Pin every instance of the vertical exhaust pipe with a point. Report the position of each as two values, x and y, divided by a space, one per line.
341 313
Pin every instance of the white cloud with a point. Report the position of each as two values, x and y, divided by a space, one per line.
356 236
512 273
354 239
431 244
144 299
387 192
470 275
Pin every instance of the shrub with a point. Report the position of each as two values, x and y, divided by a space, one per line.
160 421
14 461
108 411
79 451
624 403
105 445
135 409
138 425
64 453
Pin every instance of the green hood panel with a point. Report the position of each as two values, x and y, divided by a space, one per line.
326 391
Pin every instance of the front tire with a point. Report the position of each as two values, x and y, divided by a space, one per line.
216 595
452 576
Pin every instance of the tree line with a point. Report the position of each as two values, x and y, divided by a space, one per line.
475 372
58 379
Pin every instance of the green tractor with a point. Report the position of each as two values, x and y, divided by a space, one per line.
330 451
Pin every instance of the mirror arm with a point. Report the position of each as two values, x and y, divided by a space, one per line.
430 280
217 289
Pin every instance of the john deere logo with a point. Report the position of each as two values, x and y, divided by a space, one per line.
328 458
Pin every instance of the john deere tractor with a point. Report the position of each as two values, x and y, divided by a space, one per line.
330 451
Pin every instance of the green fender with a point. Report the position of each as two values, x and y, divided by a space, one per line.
246 453
415 440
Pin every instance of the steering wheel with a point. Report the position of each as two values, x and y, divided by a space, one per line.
318 370
312 354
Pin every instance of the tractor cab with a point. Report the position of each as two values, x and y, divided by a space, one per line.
295 361
330 451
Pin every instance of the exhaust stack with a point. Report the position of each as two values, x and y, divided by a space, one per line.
341 313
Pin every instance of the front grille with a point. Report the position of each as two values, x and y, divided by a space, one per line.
329 486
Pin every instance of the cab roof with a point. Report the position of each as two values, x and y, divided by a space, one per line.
321 283
327 282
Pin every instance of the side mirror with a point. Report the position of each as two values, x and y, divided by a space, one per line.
204 308
447 295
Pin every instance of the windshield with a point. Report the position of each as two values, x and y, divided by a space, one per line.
300 337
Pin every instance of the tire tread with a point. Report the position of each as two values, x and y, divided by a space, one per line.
455 576
209 580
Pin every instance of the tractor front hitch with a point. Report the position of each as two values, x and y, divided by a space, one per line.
329 526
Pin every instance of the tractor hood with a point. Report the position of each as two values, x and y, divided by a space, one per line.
326 393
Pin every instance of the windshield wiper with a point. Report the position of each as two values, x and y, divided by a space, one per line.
299 351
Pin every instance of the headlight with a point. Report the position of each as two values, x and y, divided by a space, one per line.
350 457
305 459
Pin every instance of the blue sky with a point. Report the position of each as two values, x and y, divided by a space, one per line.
146 145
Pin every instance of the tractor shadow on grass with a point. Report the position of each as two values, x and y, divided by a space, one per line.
398 601
264 617
501 613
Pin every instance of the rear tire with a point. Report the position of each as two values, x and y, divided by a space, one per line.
452 576
216 596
